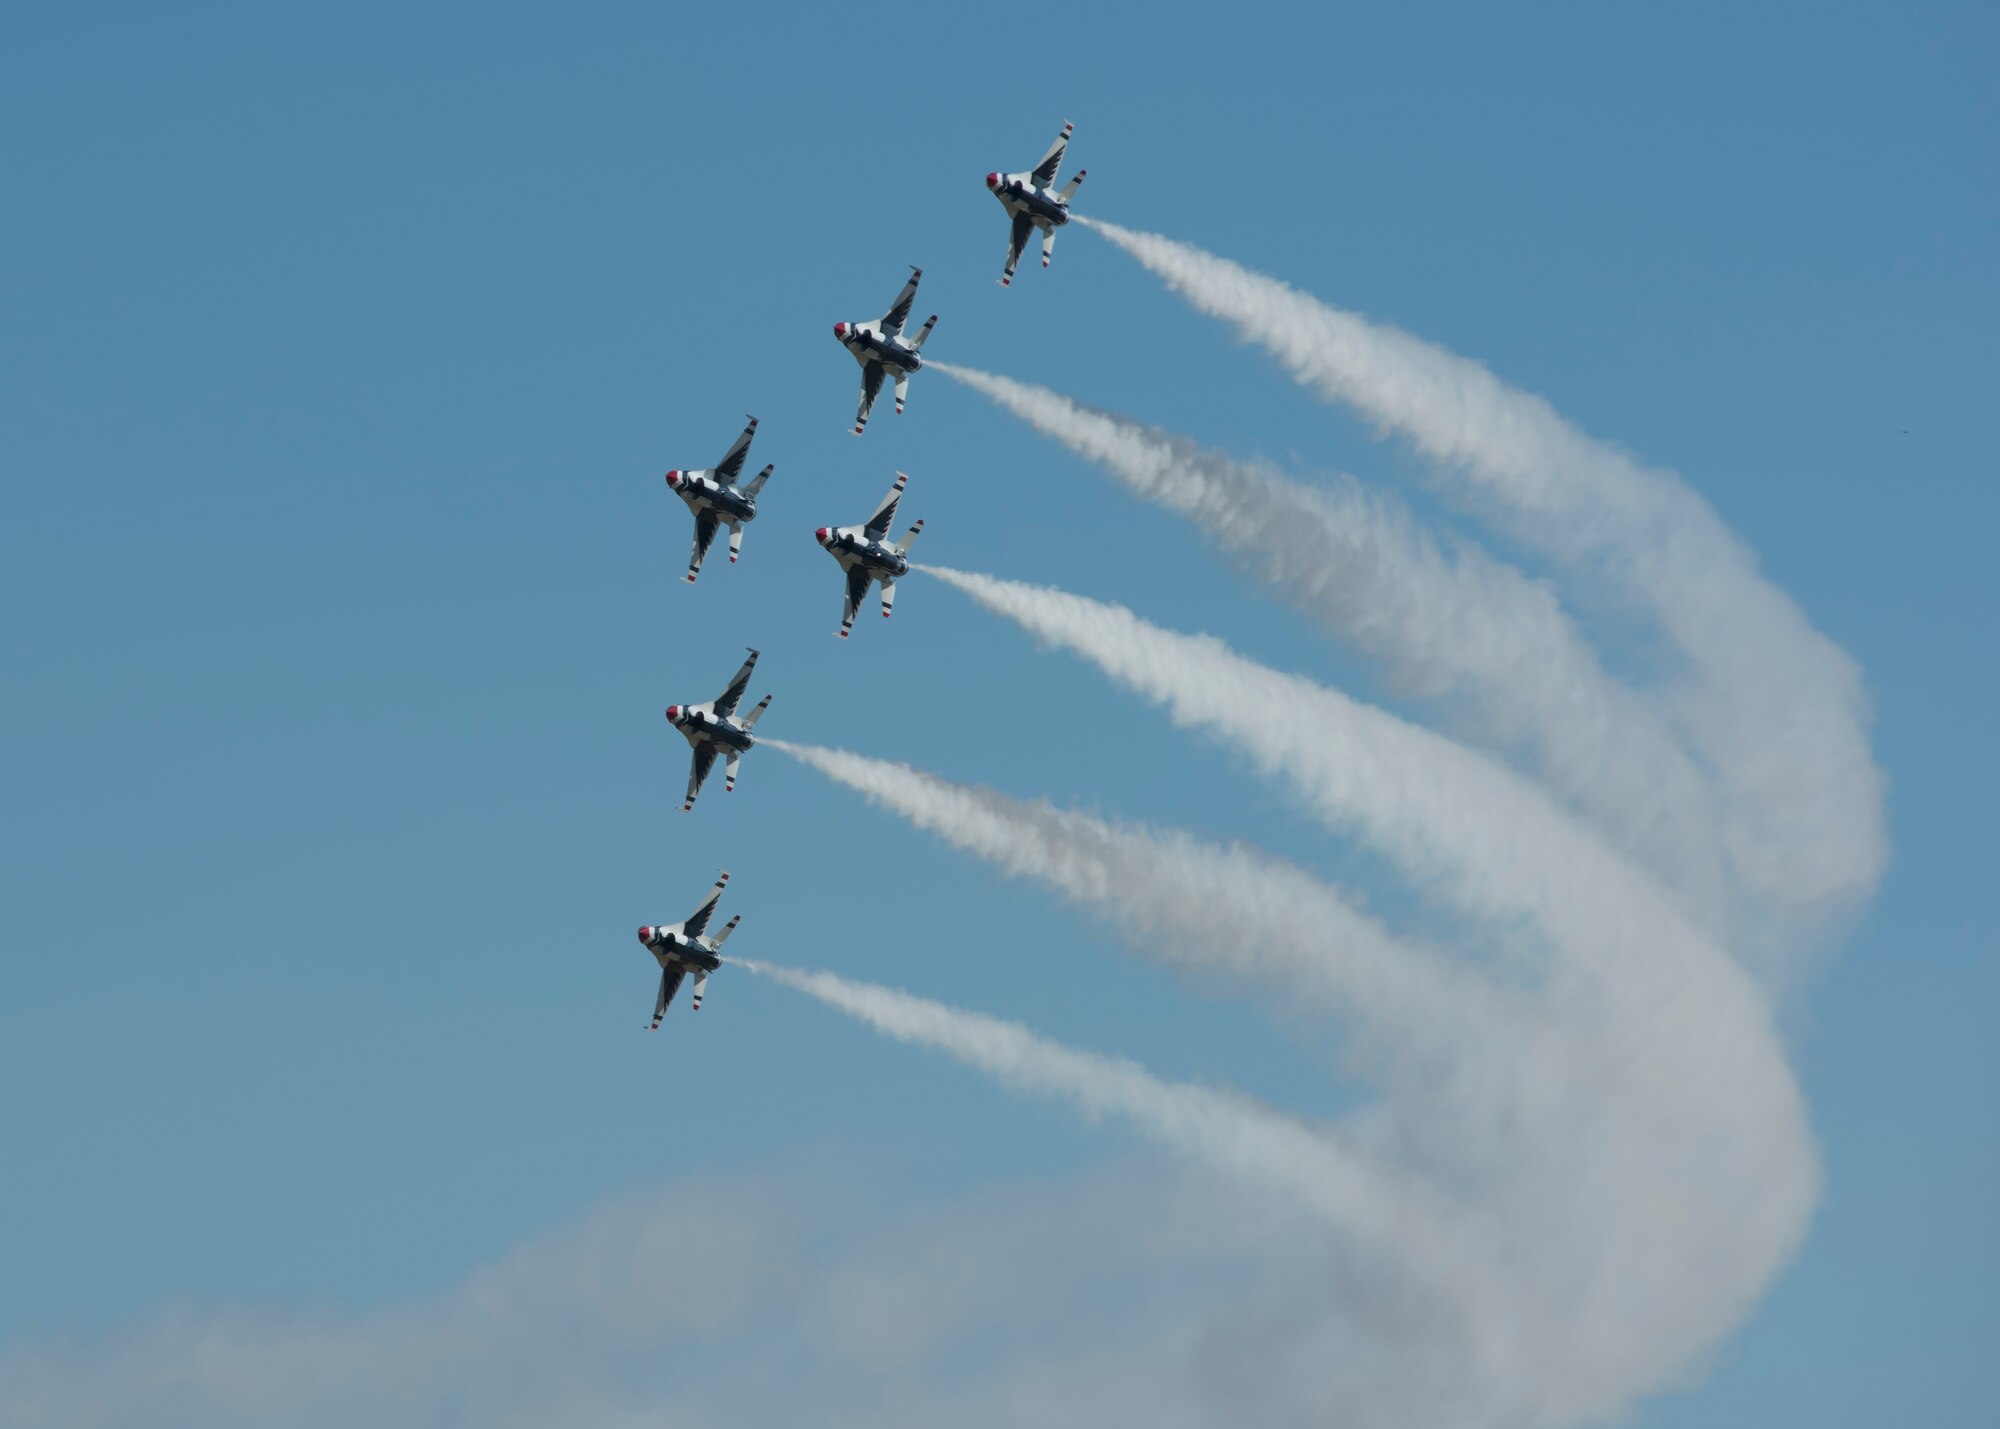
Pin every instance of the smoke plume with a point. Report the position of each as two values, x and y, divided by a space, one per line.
1459 624
1776 707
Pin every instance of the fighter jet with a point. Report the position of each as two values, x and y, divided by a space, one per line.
681 948
712 728
1032 201
865 557
880 348
717 500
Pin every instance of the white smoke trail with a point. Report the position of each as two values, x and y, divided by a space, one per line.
1387 1210
1200 905
1464 623
1706 1103
1777 708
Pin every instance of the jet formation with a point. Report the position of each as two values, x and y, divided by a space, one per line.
717 497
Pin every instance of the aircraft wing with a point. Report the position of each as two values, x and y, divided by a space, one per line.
670 983
704 760
698 920
705 525
1017 241
893 320
731 465
1045 172
878 524
726 702
857 591
871 388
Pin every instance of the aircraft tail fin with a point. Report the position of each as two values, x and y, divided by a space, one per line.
1069 189
910 537
700 981
757 713
756 483
723 936
924 332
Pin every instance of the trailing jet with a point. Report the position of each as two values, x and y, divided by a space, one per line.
713 728
1032 201
865 557
717 500
881 348
681 948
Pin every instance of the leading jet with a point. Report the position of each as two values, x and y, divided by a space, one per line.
881 348
681 948
1032 201
865 557
713 728
716 500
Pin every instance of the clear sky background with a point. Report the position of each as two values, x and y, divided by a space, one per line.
340 359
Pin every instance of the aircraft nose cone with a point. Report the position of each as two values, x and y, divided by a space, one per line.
673 478
646 934
820 535
993 181
840 329
673 711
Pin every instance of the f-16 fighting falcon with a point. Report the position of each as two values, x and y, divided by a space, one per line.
717 500
681 948
713 728
880 348
865 557
1032 201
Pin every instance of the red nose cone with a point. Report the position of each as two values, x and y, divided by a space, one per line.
993 181
646 935
820 535
673 711
673 478
840 329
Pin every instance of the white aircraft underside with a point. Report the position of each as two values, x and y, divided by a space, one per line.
717 501
1032 201
883 351
680 948
713 729
866 557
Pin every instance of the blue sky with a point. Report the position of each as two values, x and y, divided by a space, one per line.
339 363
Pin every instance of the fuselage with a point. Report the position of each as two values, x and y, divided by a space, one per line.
702 725
1018 194
866 343
851 548
669 946
703 492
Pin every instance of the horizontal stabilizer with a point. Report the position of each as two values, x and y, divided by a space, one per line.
756 483
1069 189
756 714
923 332
910 537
